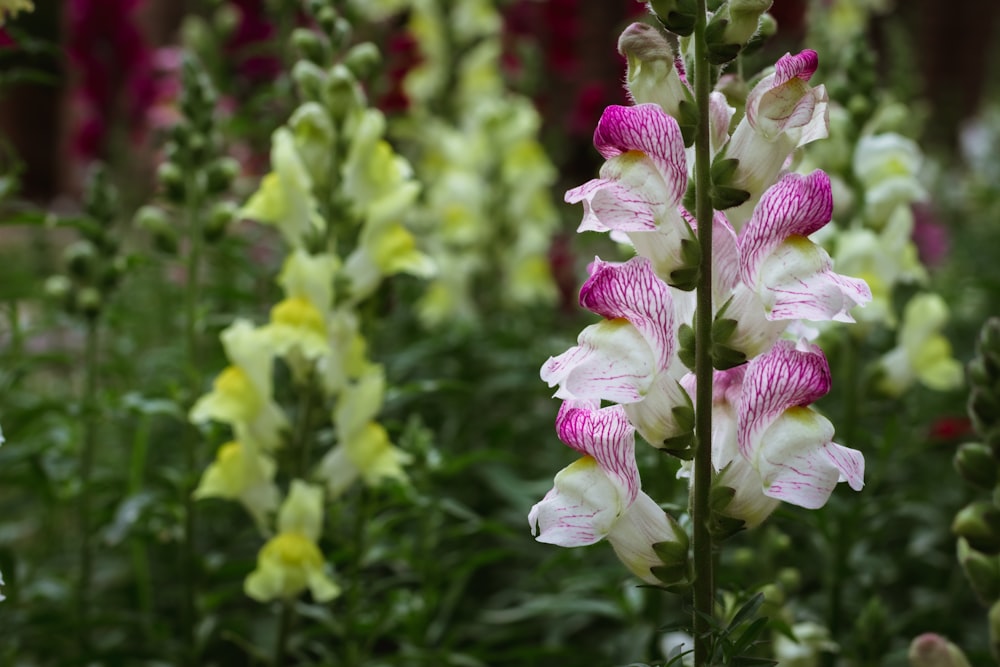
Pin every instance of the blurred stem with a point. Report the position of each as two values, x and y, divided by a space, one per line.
704 583
285 622
192 298
137 546
839 535
89 404
353 641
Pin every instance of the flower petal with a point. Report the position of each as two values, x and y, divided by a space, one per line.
613 362
631 291
609 205
581 507
799 463
782 378
795 205
605 435
797 281
649 129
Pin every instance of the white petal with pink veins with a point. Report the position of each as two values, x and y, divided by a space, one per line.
797 281
581 507
605 435
800 464
633 292
612 362
612 206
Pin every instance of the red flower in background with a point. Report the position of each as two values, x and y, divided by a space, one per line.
110 59
245 45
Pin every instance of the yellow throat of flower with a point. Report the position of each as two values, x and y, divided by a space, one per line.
299 313
293 550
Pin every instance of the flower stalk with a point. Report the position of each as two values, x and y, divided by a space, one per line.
704 584
86 468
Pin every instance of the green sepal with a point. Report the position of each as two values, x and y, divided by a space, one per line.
686 341
982 572
725 357
672 554
725 197
719 52
720 496
687 122
723 170
723 527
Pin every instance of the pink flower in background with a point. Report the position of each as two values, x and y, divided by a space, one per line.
110 59
246 45
930 236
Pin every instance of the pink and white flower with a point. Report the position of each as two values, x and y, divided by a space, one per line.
789 444
782 113
599 496
645 175
627 357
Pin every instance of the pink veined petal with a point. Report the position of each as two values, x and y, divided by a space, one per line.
797 281
799 463
580 509
795 205
802 65
725 258
606 435
632 291
649 129
720 114
609 205
612 362
782 378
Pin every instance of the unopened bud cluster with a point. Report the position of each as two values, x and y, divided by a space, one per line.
977 525
196 174
732 28
93 263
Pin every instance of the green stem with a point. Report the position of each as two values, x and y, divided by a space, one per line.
89 404
285 622
704 583
137 547
192 297
355 643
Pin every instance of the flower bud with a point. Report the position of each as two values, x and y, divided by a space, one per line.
981 571
676 15
308 44
219 175
341 92
975 464
89 301
310 79
171 177
979 523
744 19
60 289
363 59
154 221
219 219
651 75
81 259
931 650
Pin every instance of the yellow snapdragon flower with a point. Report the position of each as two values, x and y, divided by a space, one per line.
242 474
291 561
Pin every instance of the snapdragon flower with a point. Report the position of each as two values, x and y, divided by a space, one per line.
782 113
922 354
629 356
285 197
291 561
599 496
241 394
242 473
789 444
9 9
